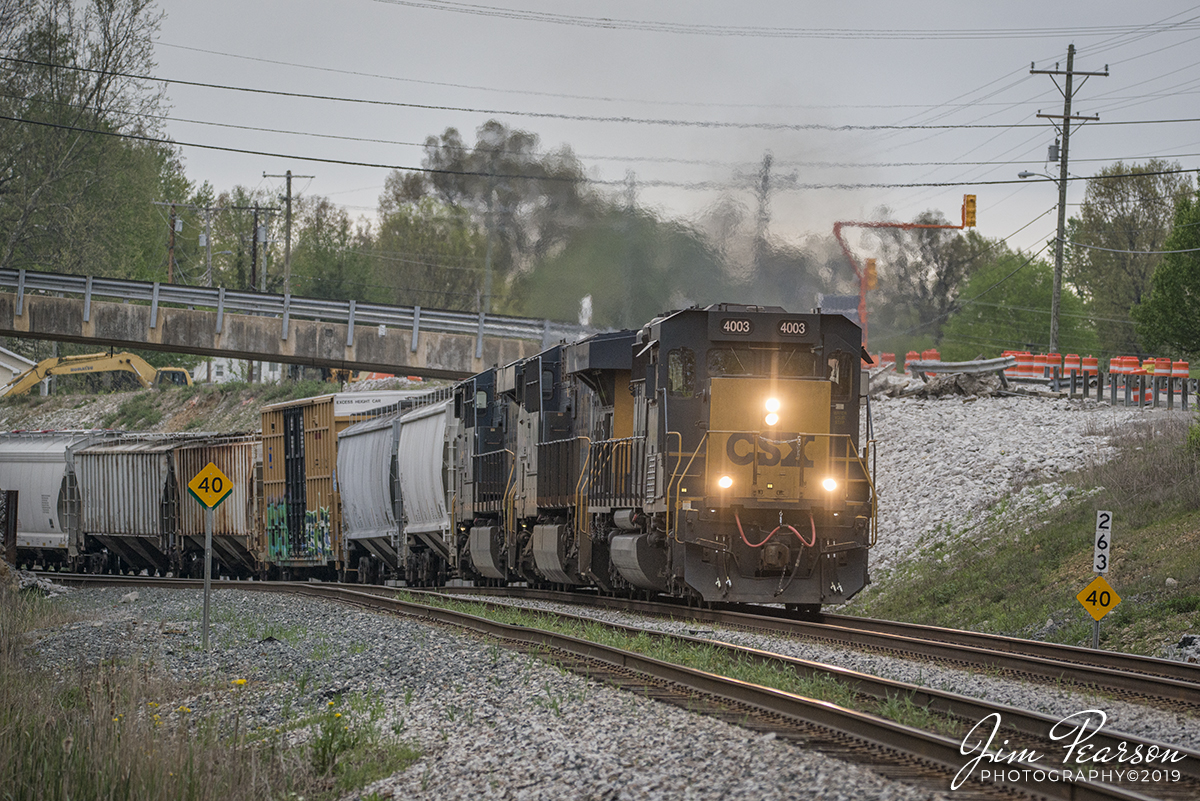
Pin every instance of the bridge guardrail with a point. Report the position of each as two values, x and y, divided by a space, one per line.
286 307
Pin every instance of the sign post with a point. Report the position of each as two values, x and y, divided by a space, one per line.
1100 563
210 486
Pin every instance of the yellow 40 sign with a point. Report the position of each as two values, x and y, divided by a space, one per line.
1098 598
210 486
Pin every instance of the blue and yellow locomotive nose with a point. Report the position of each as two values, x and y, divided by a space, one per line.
769 441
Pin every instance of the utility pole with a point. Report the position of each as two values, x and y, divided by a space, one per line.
1068 92
254 250
485 304
287 229
764 212
171 249
630 208
763 182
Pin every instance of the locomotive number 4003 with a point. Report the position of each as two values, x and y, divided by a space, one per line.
737 325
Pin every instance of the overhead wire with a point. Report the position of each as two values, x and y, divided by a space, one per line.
663 121
770 32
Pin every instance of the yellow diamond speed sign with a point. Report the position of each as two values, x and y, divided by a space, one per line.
1098 598
210 486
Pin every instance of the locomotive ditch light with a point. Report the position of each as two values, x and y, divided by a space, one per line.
830 484
724 482
772 419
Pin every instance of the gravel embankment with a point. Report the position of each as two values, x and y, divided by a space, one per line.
491 723
942 462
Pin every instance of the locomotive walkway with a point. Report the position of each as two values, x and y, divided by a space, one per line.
215 321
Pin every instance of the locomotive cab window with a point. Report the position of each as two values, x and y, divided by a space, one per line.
681 372
766 361
841 372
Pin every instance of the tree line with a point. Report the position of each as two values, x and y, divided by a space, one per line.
505 225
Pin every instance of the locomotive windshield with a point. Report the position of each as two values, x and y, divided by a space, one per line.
764 361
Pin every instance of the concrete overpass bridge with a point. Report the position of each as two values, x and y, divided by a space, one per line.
214 321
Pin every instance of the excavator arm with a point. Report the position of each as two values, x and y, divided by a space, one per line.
86 363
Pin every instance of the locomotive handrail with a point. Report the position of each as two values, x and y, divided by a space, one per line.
860 458
579 484
678 482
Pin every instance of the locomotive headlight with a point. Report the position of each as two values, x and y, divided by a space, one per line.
829 484
724 482
772 419
772 404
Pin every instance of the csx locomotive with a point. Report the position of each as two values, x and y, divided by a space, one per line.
713 455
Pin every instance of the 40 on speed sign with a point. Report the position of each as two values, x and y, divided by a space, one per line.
210 486
1098 598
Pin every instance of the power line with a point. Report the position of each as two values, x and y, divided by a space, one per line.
569 96
697 186
773 32
624 119
1130 252
606 157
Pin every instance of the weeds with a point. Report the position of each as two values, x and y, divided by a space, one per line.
121 731
139 412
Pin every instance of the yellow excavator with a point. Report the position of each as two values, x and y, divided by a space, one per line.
143 371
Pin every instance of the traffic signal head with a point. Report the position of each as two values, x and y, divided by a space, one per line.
968 211
872 275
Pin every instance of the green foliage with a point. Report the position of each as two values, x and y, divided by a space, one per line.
1013 312
334 738
429 253
1130 217
633 265
331 256
1169 317
71 200
138 413
922 273
529 216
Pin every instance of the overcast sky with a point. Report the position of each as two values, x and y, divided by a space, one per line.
731 80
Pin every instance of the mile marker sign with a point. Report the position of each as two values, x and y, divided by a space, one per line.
210 486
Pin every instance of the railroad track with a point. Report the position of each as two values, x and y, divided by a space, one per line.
1163 683
907 754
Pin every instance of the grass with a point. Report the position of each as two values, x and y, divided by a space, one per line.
123 731
139 412
1018 575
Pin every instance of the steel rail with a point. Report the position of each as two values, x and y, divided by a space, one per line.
935 750
1128 673
271 305
1029 723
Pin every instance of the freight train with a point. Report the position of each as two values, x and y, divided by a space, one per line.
718 454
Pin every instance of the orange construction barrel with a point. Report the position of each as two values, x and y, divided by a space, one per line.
909 358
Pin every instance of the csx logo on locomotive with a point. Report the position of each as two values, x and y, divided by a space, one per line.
785 451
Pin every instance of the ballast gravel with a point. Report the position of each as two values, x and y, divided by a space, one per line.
941 462
491 723
1056 701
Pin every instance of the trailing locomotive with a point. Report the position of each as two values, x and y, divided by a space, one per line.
713 455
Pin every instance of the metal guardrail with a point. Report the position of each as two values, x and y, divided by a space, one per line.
287 307
982 366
